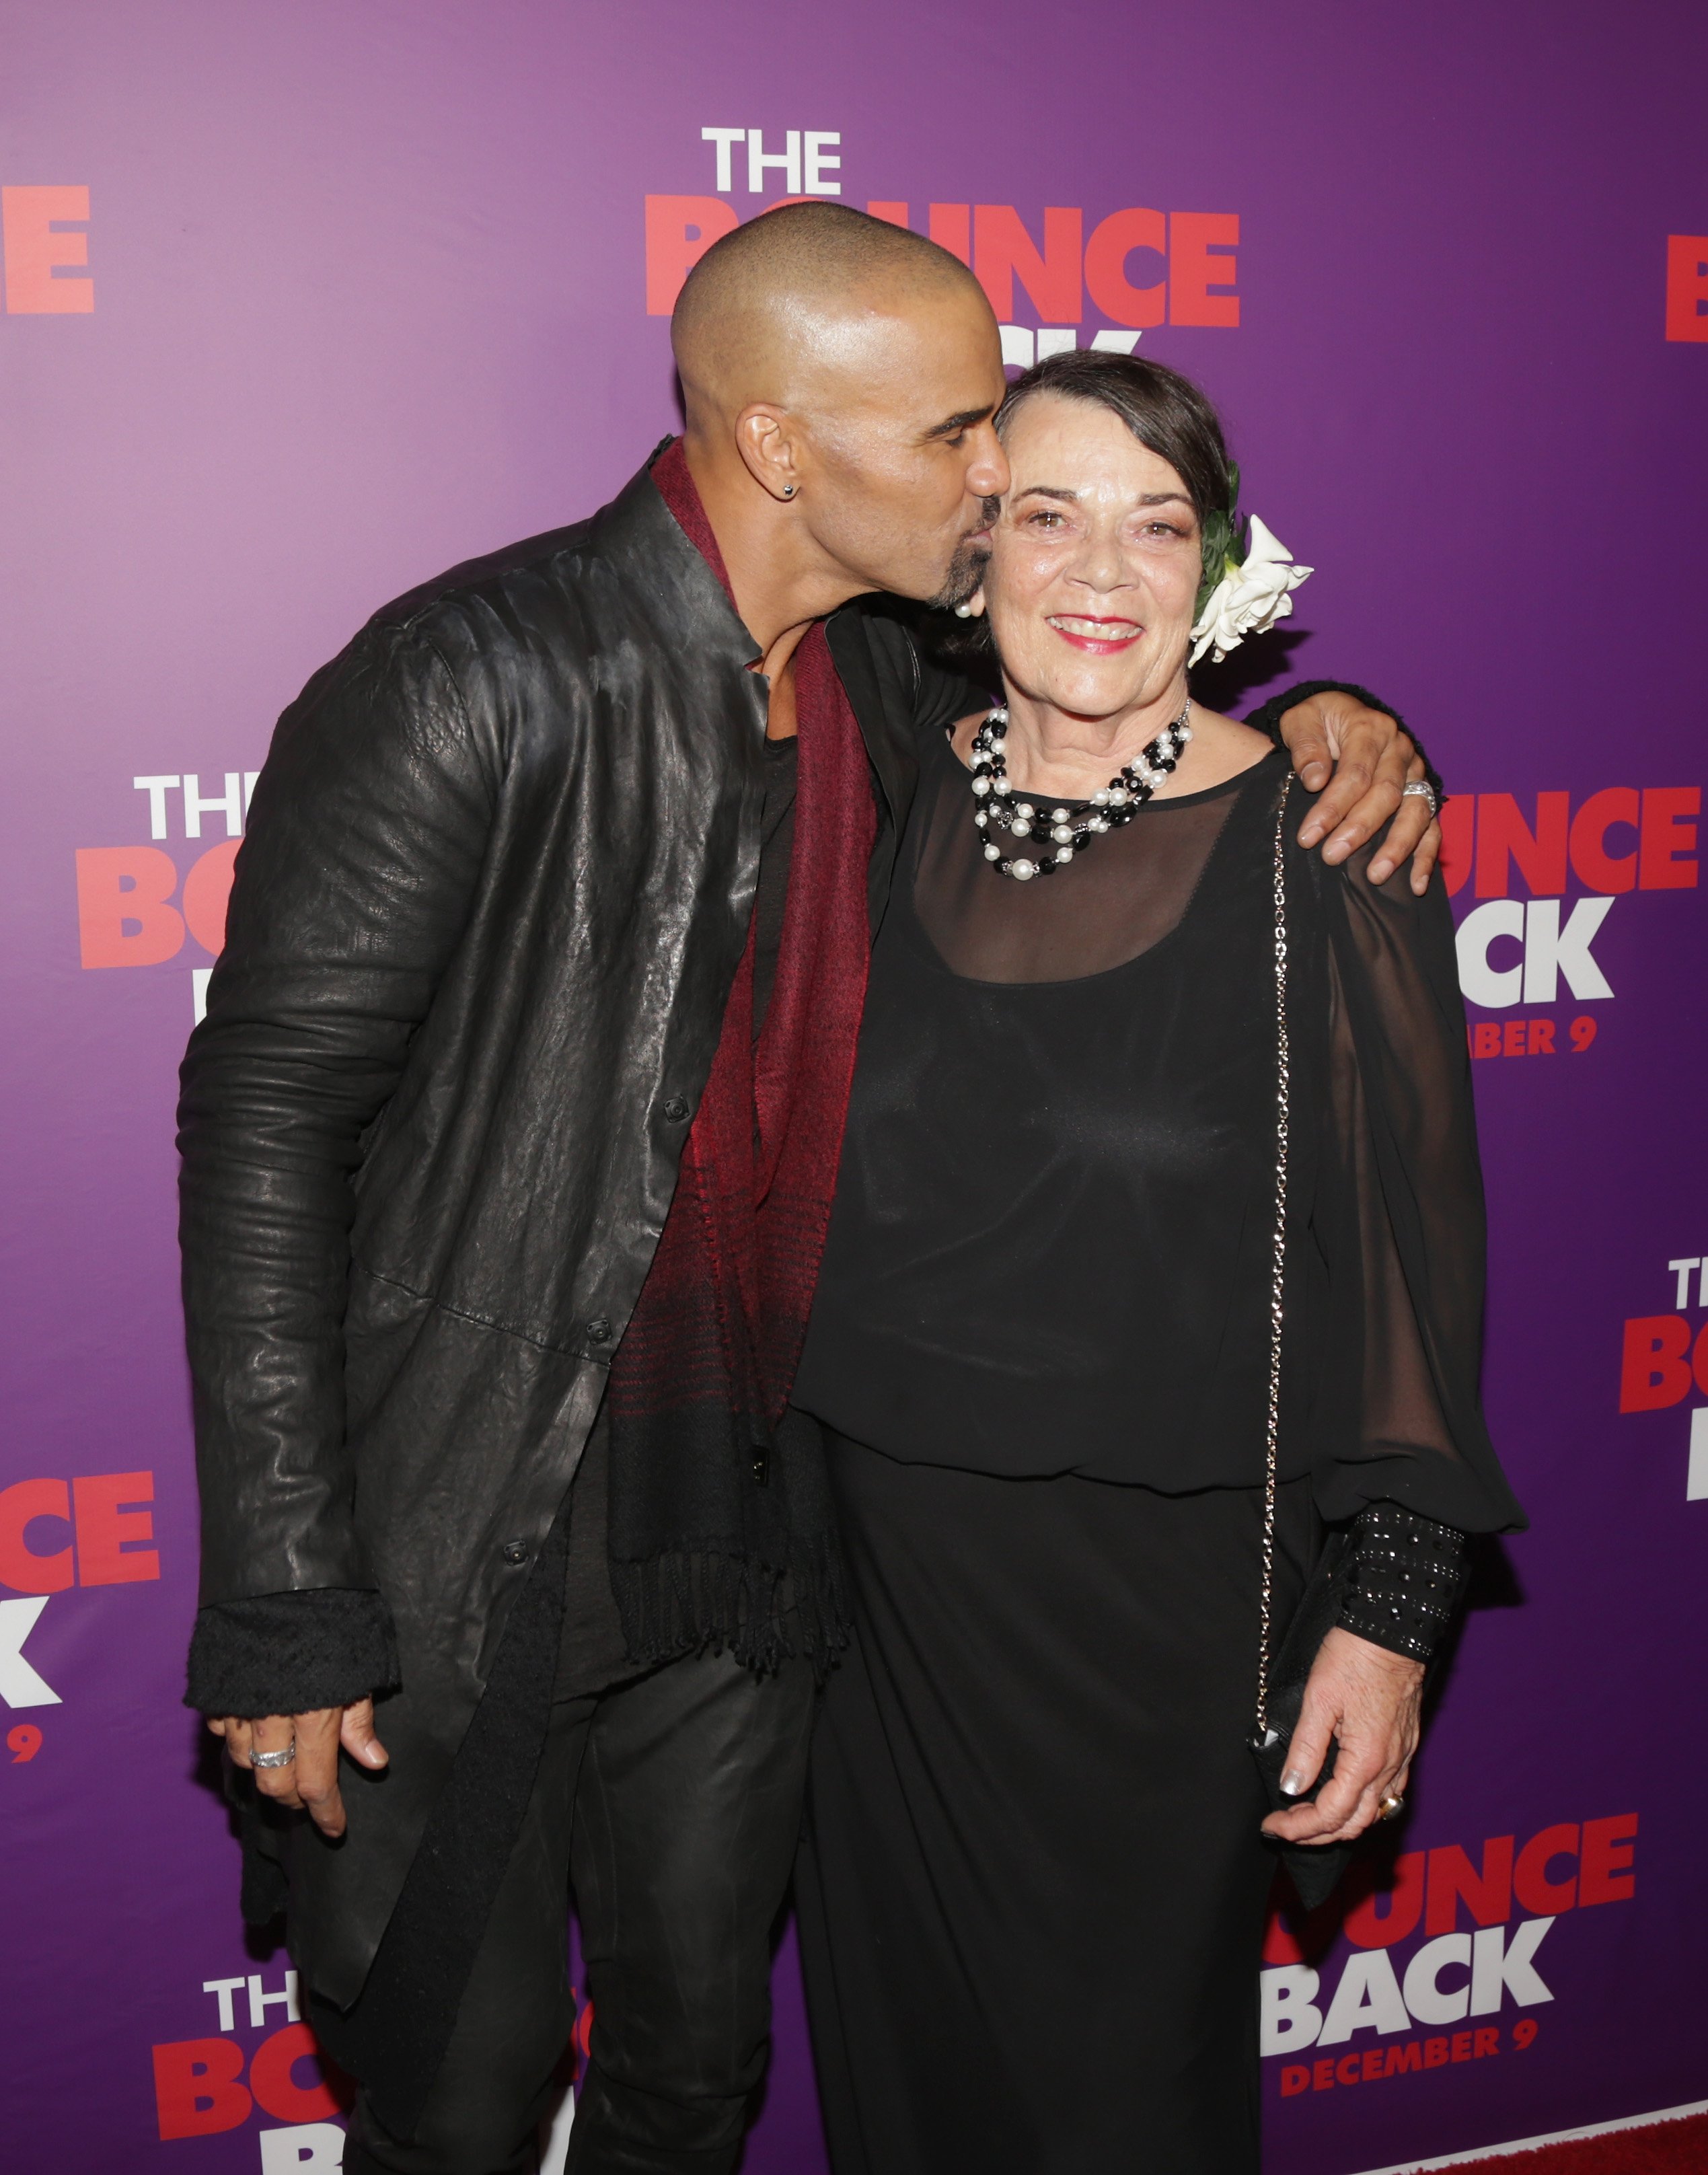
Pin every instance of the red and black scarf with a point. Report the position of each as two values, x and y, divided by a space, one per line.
714 1498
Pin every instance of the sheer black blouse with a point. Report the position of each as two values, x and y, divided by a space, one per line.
1050 1249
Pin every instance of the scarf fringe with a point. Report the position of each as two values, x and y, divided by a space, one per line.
689 1602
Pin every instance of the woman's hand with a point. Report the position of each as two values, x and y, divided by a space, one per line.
1368 1700
309 1782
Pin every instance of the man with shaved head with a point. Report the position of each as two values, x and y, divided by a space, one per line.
509 1142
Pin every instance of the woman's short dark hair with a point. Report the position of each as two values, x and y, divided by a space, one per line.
1163 410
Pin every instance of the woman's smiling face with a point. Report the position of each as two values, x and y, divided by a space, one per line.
1095 562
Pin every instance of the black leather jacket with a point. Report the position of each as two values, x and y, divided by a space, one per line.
501 863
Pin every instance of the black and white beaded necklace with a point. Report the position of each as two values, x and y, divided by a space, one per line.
1069 831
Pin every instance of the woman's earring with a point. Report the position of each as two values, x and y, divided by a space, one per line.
788 490
973 608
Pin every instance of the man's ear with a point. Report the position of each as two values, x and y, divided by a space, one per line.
766 440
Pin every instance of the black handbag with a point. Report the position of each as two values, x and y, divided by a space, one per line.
1314 1869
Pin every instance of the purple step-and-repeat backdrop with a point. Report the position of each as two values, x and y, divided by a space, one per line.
304 302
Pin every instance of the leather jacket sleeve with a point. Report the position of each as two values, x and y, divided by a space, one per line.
353 886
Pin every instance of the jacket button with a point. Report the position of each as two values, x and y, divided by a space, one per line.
514 1552
676 1109
599 1330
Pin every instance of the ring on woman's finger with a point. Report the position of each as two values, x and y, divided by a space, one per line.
274 1759
1390 1807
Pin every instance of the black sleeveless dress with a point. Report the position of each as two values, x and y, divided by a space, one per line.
1033 1888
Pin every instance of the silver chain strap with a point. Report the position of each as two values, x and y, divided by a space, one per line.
1277 1274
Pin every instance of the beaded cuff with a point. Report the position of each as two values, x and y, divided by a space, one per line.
1408 1575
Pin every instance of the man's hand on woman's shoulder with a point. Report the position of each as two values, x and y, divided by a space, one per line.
1360 761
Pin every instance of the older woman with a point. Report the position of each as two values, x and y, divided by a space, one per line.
1043 1348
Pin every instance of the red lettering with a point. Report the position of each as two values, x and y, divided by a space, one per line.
951 227
20 1567
1322 2076
196 2087
1003 251
680 231
1541 1037
207 888
1594 865
1458 828
1434 2054
1373 2068
1535 1891
123 917
1653 1371
111 1527
1281 1945
1487 2038
1687 286
1665 839
896 213
1699 1359
1461 2045
1112 241
1608 1852
1295 2078
1512 1038
1453 1879
275 2087
1402 2058
1502 832
1485 1038
1369 1927
1346 2069
1196 264
36 249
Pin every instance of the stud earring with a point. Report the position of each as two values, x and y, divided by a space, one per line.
788 490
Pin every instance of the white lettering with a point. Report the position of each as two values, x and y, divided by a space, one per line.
722 138
307 2148
157 789
1368 1997
21 1685
1492 987
1696 1474
1682 1270
224 1988
1289 2016
759 160
230 805
1496 1966
1423 1995
818 164
1550 951
260 2002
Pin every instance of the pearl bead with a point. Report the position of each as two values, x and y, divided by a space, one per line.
983 786
1003 786
1117 796
1021 871
1063 832
1065 854
1022 829
1100 798
1060 816
1025 808
993 853
982 818
1097 823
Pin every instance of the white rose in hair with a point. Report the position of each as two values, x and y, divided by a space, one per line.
1249 599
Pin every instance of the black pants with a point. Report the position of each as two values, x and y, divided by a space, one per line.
671 1804
1032 1891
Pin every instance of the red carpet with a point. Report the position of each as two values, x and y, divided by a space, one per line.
1661 2148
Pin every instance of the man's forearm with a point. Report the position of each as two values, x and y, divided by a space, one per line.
287 1653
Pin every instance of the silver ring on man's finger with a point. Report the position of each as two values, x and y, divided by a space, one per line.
1390 1808
274 1759
1421 790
